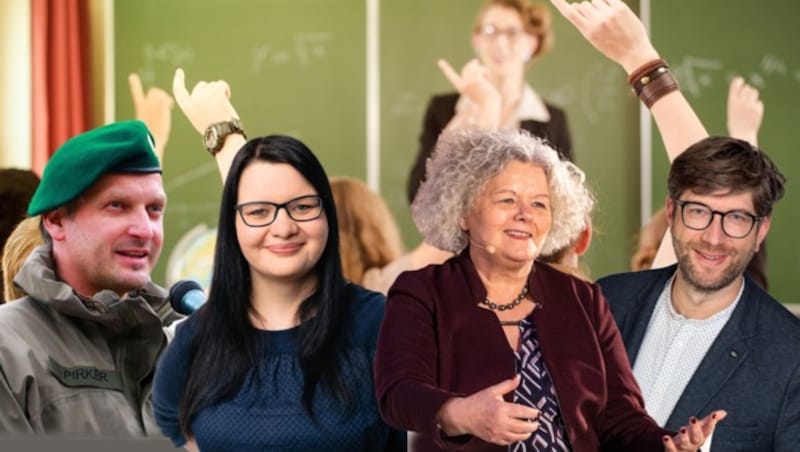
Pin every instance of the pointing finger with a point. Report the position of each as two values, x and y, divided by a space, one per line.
135 84
179 88
450 73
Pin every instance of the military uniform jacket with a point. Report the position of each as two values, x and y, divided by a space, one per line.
70 365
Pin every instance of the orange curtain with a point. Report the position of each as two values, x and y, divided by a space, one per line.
61 74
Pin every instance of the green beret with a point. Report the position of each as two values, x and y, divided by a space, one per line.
120 147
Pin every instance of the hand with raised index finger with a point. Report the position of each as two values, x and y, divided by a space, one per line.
154 108
473 83
208 103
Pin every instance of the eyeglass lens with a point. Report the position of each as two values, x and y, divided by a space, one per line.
735 223
263 213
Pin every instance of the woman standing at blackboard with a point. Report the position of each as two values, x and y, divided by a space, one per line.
491 90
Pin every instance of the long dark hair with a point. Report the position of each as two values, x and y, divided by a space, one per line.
225 346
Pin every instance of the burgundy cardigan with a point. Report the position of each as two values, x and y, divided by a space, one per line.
436 343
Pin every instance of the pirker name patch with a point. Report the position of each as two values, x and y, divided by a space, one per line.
85 376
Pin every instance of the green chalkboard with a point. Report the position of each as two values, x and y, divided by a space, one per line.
602 113
299 67
295 67
707 43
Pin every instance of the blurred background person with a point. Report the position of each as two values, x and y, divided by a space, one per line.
368 232
381 279
22 241
491 90
16 190
567 259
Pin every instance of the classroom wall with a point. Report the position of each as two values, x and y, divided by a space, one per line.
15 84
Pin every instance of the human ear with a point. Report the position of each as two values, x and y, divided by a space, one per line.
763 228
53 222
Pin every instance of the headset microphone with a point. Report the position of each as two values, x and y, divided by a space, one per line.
490 249
532 248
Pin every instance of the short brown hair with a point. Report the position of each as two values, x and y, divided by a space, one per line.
536 19
724 163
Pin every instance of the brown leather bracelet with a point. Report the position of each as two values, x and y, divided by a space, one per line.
636 77
657 88
648 78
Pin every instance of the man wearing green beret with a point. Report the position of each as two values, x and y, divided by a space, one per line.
77 354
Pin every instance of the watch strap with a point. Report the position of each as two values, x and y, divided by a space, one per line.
215 135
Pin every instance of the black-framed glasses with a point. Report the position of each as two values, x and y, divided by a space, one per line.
736 224
258 214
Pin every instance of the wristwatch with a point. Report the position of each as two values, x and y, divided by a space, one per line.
216 133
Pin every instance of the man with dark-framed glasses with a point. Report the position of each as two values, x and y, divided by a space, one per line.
700 334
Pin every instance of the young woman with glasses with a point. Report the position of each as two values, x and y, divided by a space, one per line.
280 356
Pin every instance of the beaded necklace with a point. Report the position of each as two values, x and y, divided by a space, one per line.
508 306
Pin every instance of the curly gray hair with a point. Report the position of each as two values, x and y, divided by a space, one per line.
465 160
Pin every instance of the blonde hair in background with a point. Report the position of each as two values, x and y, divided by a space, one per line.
22 241
367 230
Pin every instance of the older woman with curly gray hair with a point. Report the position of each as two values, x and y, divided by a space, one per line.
493 348
466 160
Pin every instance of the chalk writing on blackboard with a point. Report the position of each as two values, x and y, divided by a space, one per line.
595 93
405 103
305 48
696 73
169 54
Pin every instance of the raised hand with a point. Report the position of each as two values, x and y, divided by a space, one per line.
692 436
612 28
154 108
208 103
486 415
474 84
745 111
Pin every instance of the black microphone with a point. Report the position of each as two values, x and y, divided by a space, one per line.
186 296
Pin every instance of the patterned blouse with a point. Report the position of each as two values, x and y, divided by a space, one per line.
536 390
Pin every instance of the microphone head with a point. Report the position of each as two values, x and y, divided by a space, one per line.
178 292
490 249
532 248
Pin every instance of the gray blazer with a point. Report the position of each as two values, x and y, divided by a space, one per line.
752 369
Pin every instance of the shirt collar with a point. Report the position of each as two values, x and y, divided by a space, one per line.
531 106
722 315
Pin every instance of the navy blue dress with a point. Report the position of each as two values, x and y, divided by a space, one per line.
267 412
